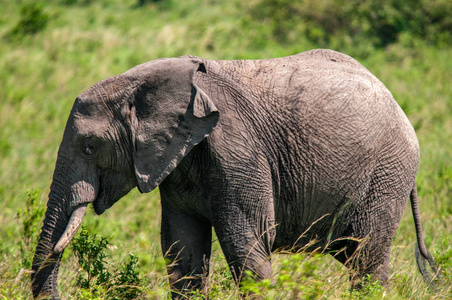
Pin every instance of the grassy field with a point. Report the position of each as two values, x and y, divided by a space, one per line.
51 52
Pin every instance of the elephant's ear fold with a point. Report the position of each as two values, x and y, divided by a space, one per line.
202 105
173 115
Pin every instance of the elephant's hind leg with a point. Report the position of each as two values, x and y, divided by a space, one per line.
365 260
372 226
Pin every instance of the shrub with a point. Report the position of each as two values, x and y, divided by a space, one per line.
98 278
444 259
90 253
30 218
298 278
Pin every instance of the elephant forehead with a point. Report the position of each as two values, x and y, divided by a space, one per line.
90 115
91 125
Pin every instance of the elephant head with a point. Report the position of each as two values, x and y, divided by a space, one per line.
125 131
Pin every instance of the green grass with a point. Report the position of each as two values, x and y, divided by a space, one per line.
82 42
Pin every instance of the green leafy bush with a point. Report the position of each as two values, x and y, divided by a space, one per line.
298 278
444 258
14 274
30 218
371 289
127 283
90 253
98 278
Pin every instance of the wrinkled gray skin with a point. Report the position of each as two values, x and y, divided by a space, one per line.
270 153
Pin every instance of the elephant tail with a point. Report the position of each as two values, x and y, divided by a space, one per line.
421 252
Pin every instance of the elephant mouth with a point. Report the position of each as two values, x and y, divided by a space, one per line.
100 206
106 200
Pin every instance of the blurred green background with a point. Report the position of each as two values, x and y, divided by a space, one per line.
51 51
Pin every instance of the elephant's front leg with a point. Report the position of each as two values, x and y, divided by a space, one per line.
246 232
186 244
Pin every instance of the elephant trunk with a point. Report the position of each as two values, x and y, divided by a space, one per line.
46 261
64 215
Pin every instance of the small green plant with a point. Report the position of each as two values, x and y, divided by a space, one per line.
296 279
443 258
29 218
370 289
90 253
126 285
99 279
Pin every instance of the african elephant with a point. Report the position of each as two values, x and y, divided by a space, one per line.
309 151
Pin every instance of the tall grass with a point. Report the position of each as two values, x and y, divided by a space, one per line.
72 44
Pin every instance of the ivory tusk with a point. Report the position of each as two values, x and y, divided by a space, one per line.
71 229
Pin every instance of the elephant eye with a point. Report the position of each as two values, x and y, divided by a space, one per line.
87 147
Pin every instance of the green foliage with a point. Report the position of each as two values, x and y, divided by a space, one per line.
33 19
90 253
375 22
127 283
30 219
98 280
14 274
299 277
443 257
369 289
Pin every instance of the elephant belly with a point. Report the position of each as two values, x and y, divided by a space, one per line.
309 221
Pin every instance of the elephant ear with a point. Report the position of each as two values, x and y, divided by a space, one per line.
169 115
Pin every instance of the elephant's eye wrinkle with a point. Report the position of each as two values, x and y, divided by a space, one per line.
88 147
